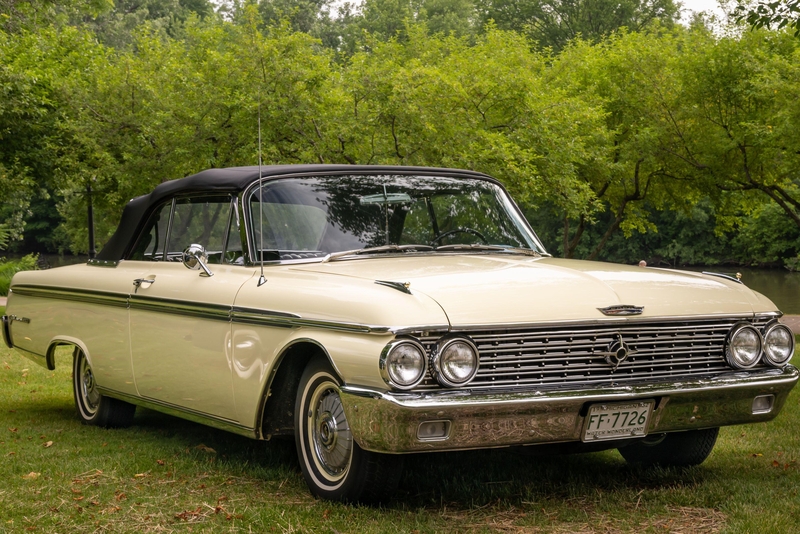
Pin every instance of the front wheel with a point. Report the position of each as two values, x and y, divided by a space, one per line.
92 407
334 466
679 449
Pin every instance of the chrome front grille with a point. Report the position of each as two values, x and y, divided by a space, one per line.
566 357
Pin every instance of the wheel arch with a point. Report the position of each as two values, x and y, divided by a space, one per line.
63 341
276 413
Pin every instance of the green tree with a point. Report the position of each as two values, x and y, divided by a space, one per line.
632 77
117 27
770 14
554 23
738 123
440 101
33 112
171 107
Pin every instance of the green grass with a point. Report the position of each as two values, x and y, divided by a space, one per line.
166 475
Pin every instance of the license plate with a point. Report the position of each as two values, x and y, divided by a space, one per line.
617 420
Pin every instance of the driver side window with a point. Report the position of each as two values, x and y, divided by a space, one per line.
209 221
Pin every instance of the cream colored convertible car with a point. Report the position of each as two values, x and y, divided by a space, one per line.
375 311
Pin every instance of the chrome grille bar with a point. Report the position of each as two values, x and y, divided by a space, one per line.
549 357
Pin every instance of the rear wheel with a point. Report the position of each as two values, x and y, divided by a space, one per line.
679 449
92 407
334 466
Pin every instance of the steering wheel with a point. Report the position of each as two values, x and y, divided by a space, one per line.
459 231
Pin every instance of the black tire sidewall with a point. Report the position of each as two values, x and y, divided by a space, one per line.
85 416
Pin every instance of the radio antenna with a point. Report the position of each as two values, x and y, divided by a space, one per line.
261 279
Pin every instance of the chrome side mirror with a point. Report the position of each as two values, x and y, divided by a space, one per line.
194 258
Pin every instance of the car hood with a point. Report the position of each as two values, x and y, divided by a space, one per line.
499 289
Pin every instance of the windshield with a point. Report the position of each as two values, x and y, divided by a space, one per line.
316 216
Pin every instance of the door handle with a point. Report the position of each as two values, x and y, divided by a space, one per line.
139 281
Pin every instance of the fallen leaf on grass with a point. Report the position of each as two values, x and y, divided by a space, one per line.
189 515
31 476
140 475
160 462
205 448
14 429
776 463
48 444
12 453
120 496
756 455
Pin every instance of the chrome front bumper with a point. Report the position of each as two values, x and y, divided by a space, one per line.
390 422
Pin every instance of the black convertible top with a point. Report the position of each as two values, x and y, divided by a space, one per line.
235 179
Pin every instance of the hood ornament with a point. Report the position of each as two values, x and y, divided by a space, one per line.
622 309
617 352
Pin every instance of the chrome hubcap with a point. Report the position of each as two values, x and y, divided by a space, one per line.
331 437
91 397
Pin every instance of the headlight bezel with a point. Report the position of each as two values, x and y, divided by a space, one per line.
737 330
771 327
391 349
436 361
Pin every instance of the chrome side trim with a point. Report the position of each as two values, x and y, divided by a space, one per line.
291 320
220 312
88 296
725 276
424 331
255 316
184 413
7 332
387 422
102 263
185 308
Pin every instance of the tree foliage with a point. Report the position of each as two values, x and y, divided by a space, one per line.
664 135
554 23
776 14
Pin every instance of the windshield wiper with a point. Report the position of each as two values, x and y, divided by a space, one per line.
373 250
498 248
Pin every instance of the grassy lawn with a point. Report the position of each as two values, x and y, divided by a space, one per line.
165 475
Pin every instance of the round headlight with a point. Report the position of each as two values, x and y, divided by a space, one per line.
403 364
778 344
744 347
455 362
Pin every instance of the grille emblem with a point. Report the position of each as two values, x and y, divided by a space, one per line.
617 352
622 309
